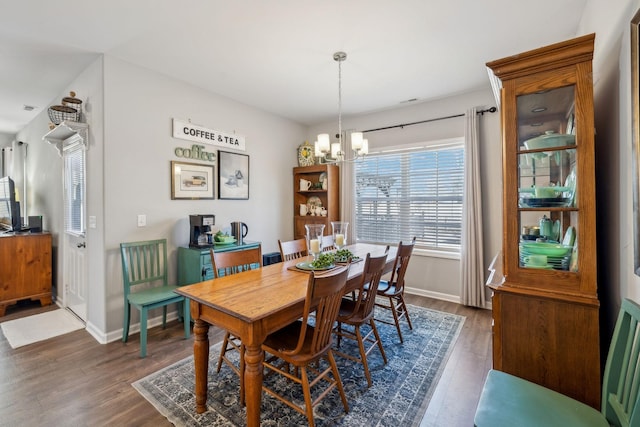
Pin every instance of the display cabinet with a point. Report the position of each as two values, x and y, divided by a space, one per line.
316 197
546 310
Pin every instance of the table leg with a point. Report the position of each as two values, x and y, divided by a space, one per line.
201 362
253 358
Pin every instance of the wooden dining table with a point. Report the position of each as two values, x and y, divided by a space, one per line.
251 305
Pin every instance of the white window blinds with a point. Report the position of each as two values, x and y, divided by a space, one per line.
416 192
74 189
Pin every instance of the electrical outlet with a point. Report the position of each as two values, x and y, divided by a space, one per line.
142 220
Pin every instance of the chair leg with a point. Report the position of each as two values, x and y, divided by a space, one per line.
143 332
186 318
338 380
242 369
372 323
405 311
223 350
126 322
307 396
363 355
164 317
395 318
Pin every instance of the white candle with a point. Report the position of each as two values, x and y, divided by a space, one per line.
340 239
315 245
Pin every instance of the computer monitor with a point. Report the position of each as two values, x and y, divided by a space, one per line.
9 207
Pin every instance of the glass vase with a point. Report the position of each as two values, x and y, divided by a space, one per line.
339 229
314 239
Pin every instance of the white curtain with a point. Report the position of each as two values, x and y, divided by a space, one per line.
347 192
471 261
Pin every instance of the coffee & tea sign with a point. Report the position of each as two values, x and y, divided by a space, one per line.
191 132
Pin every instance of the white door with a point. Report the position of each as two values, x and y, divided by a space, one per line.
74 249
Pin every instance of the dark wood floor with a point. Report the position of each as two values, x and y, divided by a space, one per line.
72 380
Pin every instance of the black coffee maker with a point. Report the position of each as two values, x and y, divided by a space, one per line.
201 236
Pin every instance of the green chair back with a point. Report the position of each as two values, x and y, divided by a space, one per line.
620 396
145 278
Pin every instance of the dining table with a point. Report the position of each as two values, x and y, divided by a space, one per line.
251 305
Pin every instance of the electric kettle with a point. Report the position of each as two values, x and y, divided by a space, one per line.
239 231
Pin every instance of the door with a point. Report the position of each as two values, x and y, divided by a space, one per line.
74 250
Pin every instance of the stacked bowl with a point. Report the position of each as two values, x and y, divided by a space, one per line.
558 255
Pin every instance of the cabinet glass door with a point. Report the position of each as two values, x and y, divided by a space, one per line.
547 192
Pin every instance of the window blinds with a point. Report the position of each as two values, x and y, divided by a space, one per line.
410 193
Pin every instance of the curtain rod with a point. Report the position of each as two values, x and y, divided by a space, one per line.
488 110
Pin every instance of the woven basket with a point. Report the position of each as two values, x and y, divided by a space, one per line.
60 113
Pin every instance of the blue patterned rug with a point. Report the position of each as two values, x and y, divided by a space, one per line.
399 396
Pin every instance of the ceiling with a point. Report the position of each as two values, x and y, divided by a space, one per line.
274 55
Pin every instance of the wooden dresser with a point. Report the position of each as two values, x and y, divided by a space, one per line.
25 268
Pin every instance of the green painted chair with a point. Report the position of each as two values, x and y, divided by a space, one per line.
510 401
144 269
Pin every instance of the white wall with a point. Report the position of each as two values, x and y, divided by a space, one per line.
428 275
612 89
139 108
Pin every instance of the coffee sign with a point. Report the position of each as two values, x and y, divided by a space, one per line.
191 132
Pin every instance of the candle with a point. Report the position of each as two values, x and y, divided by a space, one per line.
340 239
315 245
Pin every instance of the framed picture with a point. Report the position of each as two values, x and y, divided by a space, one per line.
191 181
233 176
635 133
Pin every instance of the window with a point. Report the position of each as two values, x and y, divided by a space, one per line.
74 189
412 192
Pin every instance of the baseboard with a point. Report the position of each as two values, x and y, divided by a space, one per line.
440 296
133 328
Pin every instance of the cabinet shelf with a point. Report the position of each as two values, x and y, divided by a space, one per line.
329 197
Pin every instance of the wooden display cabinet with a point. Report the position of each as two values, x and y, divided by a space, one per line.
329 197
546 311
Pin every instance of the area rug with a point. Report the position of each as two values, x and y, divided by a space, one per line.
399 396
39 327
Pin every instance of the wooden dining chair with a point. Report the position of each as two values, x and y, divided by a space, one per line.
293 249
144 272
328 243
392 291
302 345
358 311
225 264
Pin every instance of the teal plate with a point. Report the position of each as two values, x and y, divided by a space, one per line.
309 267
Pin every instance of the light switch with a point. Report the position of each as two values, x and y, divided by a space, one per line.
142 220
92 221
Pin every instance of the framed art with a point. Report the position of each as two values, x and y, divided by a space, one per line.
191 181
635 133
233 176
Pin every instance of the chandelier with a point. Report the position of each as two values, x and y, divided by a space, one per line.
335 152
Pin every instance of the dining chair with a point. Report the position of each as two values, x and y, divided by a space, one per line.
144 271
328 244
507 400
302 345
293 249
225 264
358 311
392 290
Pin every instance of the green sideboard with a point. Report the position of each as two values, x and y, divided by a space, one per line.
194 264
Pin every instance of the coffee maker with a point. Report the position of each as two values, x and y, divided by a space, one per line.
200 226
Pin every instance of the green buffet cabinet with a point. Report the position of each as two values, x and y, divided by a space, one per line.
194 264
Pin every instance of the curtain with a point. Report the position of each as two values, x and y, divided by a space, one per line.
347 190
471 256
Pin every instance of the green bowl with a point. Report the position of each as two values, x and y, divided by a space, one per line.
549 249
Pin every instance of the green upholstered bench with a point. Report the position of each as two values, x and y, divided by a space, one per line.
509 401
